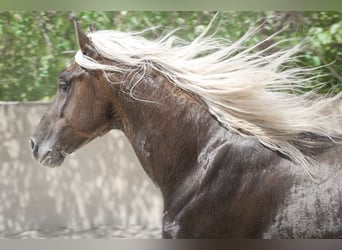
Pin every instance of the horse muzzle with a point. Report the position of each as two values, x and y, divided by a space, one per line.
47 155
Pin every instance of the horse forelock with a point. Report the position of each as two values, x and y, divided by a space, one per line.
248 91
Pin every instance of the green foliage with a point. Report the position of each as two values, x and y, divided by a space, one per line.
36 46
326 46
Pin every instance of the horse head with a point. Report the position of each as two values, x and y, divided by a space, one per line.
82 110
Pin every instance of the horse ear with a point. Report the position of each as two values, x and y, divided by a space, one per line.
84 42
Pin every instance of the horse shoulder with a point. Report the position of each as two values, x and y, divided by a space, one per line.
234 191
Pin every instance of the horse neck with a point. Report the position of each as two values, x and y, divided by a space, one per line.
167 128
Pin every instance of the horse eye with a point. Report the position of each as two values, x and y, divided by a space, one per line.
63 85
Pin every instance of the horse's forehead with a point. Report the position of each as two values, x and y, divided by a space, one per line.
71 71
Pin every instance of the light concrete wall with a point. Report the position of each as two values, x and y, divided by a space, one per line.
102 184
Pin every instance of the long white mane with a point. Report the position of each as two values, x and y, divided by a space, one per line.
248 91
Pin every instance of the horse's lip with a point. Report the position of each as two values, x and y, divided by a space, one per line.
64 153
44 158
53 162
48 159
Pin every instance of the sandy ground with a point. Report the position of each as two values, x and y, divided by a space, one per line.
133 232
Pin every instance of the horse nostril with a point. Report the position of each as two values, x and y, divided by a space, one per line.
32 143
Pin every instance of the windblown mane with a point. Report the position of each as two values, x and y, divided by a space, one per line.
250 92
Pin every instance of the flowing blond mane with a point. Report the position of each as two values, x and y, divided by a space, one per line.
250 92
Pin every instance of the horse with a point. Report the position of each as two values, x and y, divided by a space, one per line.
219 128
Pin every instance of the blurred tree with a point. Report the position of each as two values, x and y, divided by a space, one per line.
36 46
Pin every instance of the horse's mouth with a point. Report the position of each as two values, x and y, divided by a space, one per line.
53 159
